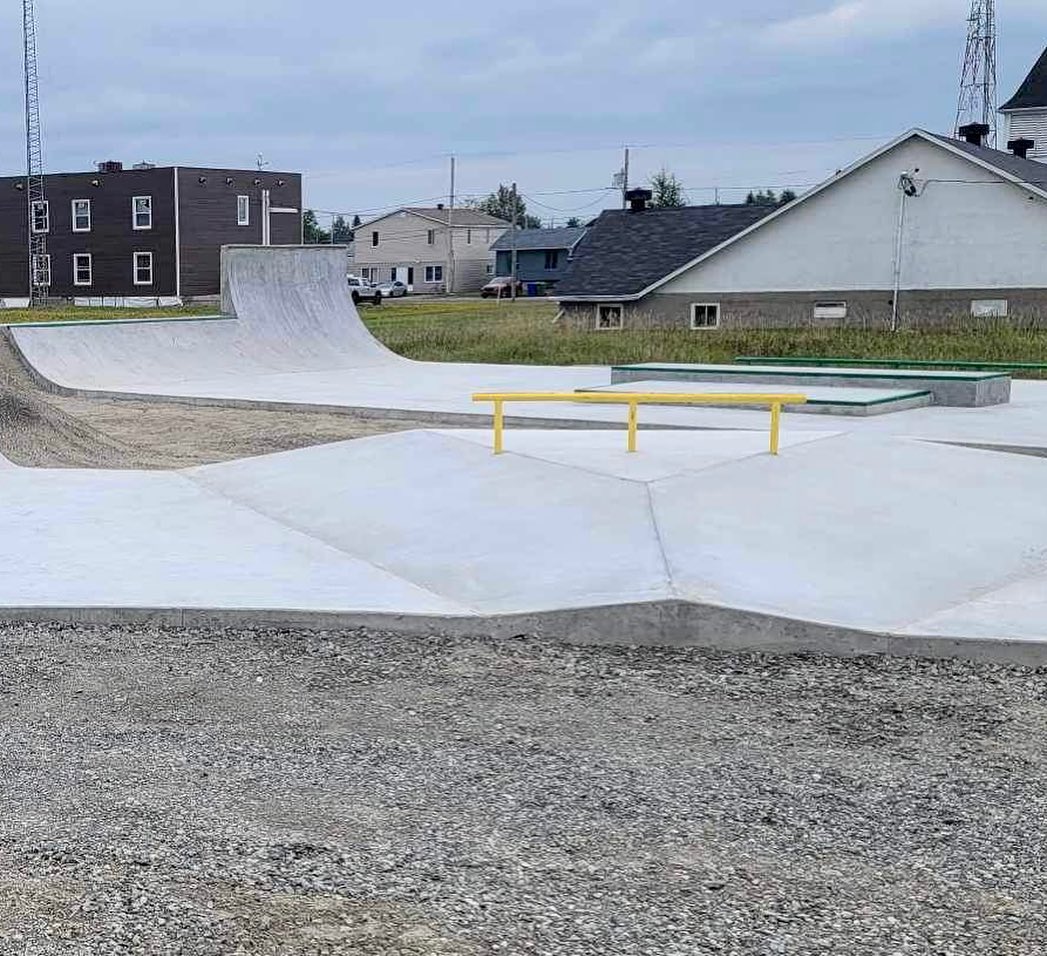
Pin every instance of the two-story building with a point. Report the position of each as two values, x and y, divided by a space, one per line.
428 249
541 254
143 234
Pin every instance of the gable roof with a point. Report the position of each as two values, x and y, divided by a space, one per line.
463 216
538 239
595 276
624 252
1032 94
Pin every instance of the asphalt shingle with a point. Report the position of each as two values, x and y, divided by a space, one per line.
1033 92
531 239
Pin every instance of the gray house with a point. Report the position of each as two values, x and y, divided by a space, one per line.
541 254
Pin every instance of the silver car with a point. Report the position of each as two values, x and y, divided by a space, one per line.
392 290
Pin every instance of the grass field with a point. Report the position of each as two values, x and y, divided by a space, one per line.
487 331
524 333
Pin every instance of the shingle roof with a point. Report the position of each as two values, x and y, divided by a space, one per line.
624 252
1027 170
563 238
462 217
1033 92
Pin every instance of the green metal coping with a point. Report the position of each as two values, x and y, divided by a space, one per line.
140 320
899 397
810 372
890 363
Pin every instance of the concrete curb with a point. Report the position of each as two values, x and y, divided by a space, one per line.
652 624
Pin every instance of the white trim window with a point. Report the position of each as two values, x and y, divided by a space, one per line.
434 273
705 315
42 269
430 237
142 213
83 271
610 317
243 210
143 268
41 217
836 311
81 215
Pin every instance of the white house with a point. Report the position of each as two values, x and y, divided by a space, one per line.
1026 112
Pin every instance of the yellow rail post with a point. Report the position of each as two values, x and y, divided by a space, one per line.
634 415
499 425
776 425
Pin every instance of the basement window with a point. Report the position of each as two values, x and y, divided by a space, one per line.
243 210
609 317
989 308
41 216
142 212
830 310
143 268
81 215
82 270
705 315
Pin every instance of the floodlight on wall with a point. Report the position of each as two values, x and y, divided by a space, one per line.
20 186
256 182
229 180
96 183
281 182
202 180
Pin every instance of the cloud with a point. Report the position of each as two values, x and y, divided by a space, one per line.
860 20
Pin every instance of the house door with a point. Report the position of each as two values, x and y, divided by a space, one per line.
404 274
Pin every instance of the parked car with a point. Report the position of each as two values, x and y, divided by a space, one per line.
363 291
501 286
392 290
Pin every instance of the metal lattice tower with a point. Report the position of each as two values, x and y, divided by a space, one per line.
37 265
978 103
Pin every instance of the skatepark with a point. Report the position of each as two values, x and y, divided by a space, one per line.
916 531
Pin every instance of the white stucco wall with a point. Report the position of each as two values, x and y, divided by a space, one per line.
957 235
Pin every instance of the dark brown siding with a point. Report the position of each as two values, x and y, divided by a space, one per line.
111 242
208 219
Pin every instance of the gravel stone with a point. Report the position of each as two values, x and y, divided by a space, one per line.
223 791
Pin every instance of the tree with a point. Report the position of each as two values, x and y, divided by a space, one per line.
356 220
762 198
787 196
574 222
341 230
500 205
312 234
667 190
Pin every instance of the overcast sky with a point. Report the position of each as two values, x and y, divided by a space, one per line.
369 101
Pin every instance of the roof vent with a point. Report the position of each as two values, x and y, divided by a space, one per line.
439 205
144 165
1021 147
975 133
110 166
638 199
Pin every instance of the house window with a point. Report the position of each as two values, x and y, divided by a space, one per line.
705 315
490 268
82 272
81 215
243 210
552 259
989 308
392 274
609 317
434 273
42 270
142 212
374 238
430 237
830 310
469 237
42 216
143 267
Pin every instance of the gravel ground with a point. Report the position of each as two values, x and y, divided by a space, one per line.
219 792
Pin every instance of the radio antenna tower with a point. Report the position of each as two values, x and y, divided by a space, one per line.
39 271
978 102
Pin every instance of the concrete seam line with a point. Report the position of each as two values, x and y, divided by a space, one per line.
670 579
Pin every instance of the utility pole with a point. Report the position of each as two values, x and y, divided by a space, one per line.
39 270
450 235
625 179
512 270
977 102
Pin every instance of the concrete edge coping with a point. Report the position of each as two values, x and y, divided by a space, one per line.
650 624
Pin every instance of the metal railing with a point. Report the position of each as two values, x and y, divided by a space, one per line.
634 400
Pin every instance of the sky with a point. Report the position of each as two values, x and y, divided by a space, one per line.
369 102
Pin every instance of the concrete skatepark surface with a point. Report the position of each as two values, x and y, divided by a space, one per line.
860 533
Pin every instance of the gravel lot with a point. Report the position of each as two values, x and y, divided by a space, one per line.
218 792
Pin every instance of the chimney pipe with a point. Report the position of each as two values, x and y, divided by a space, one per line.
975 133
1021 147
638 199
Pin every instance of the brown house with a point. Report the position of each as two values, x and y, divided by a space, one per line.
148 232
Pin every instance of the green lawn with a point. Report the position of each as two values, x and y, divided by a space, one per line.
73 313
525 333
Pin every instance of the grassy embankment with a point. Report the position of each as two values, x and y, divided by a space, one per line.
488 331
524 333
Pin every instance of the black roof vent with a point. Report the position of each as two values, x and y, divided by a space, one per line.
975 133
110 166
1021 147
638 199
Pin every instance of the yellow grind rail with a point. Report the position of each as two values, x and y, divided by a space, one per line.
634 400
